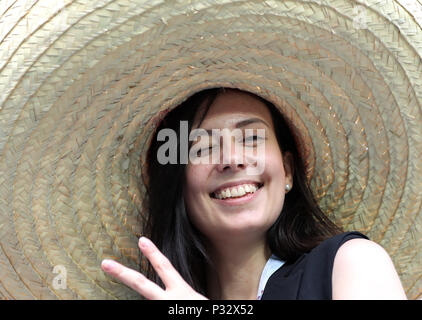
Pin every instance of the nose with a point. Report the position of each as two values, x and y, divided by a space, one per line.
232 155
230 166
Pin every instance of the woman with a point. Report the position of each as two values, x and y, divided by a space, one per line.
227 233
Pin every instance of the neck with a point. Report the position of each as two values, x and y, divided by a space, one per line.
237 269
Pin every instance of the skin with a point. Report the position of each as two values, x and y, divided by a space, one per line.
363 270
235 235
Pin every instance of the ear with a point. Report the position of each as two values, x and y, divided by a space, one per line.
288 163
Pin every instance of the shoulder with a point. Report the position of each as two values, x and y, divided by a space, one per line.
364 270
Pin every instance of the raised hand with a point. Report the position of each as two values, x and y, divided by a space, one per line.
176 286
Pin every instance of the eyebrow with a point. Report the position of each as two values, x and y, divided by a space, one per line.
244 123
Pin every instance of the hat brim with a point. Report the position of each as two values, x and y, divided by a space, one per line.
83 87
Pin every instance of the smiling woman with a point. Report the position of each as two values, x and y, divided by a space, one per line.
220 244
227 232
237 228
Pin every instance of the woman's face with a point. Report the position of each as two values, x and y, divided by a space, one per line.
213 191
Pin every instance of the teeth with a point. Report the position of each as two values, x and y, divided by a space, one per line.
241 191
236 191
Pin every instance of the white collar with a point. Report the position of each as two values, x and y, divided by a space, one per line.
272 265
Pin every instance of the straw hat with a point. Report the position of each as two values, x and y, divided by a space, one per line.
84 83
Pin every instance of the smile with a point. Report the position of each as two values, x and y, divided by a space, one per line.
235 198
236 191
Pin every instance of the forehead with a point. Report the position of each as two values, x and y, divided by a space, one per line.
231 107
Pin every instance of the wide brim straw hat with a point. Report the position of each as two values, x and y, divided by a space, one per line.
83 85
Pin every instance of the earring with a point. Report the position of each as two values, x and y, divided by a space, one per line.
287 187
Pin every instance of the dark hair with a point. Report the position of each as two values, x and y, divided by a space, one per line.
300 227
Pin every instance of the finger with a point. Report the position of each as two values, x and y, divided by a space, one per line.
133 279
165 270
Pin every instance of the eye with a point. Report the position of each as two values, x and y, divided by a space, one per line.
252 139
204 151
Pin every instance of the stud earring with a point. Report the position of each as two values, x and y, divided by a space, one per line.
287 187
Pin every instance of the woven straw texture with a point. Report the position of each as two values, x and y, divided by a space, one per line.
84 83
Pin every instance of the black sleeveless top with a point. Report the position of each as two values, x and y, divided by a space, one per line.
309 277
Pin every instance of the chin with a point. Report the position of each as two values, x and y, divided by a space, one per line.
243 226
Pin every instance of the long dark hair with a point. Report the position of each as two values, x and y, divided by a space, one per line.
300 226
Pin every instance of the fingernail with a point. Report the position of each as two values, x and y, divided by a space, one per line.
143 242
108 264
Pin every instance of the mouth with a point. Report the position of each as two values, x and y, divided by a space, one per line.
245 190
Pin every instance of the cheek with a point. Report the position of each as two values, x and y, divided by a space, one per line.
274 167
195 183
195 202
196 177
274 162
275 175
